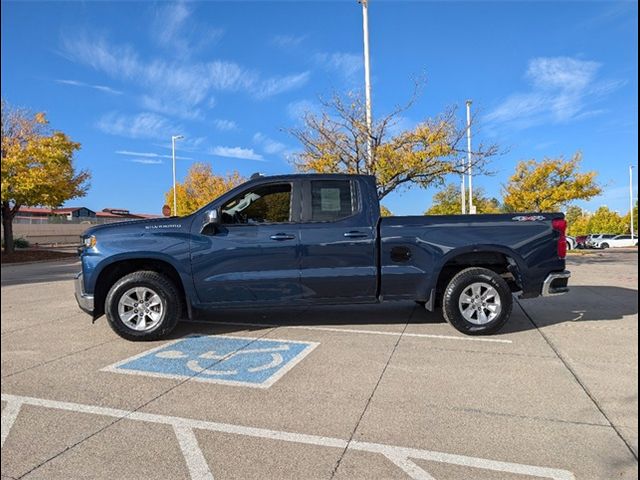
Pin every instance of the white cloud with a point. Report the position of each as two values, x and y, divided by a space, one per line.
171 108
175 29
148 155
563 73
287 41
142 125
347 64
269 145
562 90
276 85
175 86
146 161
102 88
298 109
224 125
236 152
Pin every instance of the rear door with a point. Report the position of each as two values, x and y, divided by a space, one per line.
253 256
338 243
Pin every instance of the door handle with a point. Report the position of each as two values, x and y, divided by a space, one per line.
355 234
282 236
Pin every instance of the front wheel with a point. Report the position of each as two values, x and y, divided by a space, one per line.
604 245
477 301
143 305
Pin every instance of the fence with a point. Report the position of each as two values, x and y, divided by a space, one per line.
49 233
60 220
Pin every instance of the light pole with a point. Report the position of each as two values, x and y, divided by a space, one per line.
631 198
173 156
463 195
367 79
469 172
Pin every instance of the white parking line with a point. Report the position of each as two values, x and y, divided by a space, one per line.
199 469
9 415
368 332
196 463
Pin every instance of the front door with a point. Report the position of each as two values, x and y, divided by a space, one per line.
252 257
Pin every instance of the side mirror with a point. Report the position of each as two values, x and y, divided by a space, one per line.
211 217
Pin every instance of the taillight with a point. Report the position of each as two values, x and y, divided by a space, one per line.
560 224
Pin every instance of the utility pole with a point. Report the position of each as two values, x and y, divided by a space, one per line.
173 156
463 195
469 172
631 198
367 79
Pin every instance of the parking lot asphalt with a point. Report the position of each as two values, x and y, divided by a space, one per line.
383 391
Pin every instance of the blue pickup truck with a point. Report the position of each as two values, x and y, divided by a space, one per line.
310 240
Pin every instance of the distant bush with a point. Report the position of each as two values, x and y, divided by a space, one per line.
19 243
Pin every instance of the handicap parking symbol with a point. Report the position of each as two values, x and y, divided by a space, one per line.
240 361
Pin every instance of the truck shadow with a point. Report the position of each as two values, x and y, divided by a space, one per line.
581 304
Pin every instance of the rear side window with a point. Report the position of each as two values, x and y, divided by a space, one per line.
331 200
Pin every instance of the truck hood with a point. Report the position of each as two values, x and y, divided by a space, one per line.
154 224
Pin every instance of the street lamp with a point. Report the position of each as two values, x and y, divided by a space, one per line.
173 156
469 171
631 198
367 79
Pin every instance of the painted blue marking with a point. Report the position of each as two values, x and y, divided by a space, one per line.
220 359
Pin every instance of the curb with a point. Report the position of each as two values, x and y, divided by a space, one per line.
52 260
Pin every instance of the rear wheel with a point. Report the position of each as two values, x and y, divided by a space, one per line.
143 305
477 301
604 245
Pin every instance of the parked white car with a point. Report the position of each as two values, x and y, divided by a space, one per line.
594 239
618 241
571 243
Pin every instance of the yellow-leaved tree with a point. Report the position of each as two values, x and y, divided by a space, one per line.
37 166
548 185
607 221
448 202
200 187
577 221
335 140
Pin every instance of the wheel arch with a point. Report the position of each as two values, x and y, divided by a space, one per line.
501 260
109 274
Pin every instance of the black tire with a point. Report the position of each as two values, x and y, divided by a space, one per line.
170 299
457 286
604 245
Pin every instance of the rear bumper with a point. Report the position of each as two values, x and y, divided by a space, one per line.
85 301
556 284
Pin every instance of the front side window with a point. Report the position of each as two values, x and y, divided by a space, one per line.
264 204
331 200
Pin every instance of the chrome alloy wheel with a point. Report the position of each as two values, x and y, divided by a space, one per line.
140 308
480 303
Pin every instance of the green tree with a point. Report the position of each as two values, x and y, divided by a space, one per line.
335 141
37 166
577 221
200 187
607 221
548 185
447 202
627 220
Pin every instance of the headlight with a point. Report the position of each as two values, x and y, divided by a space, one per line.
89 242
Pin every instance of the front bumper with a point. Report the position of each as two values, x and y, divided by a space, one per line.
85 301
556 284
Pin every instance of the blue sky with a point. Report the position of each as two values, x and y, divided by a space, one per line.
546 79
